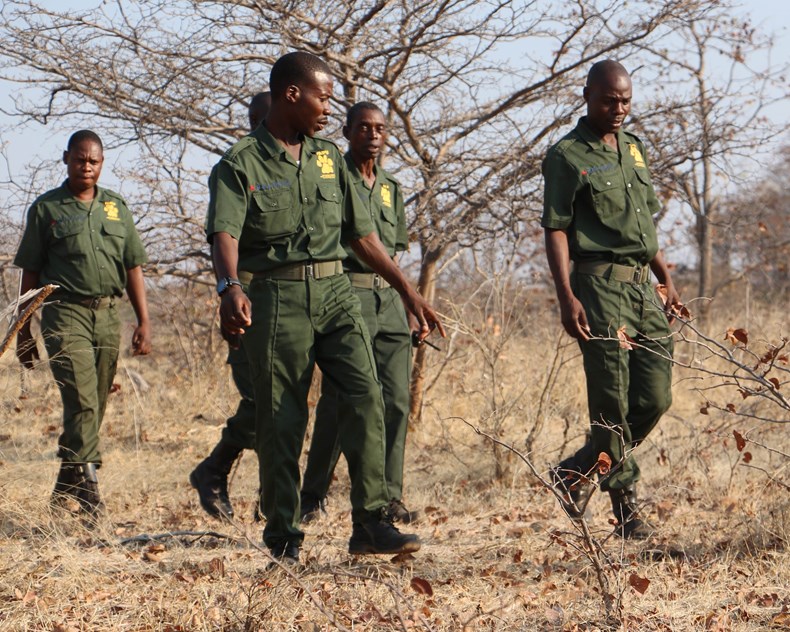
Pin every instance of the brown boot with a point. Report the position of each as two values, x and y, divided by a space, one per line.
625 508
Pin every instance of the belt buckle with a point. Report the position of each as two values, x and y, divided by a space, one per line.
376 282
95 302
637 276
309 272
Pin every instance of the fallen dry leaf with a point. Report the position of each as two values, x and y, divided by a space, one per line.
421 586
639 584
603 464
740 442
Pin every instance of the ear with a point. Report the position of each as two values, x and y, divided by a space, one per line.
586 94
346 132
292 93
66 157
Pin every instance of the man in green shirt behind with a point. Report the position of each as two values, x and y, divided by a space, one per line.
598 204
82 238
385 318
281 206
210 477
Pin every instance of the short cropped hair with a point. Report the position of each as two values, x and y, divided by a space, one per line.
295 68
359 107
82 135
605 68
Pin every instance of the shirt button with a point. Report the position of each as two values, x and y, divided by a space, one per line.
310 228
639 210
608 183
643 235
629 185
305 200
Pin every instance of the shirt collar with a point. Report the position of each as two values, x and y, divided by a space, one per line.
591 138
67 197
273 147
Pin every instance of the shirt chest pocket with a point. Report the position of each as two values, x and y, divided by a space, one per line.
272 214
608 193
329 199
113 238
69 238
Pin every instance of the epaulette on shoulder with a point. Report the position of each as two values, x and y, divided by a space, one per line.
112 194
320 140
561 147
389 176
239 146
633 136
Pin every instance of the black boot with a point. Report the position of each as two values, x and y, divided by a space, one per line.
575 488
626 509
312 508
210 479
88 490
65 485
377 534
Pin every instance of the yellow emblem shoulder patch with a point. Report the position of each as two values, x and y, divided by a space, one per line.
638 160
386 195
325 163
111 211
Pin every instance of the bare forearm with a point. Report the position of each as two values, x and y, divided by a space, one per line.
372 252
558 255
135 289
225 255
660 269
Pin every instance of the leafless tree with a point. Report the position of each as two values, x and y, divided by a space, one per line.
472 89
708 123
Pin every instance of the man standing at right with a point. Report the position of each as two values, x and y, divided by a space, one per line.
597 213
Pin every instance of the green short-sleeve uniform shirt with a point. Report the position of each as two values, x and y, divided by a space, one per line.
384 202
283 211
602 197
84 247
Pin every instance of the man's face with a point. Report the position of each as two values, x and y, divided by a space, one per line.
311 106
367 134
608 103
83 165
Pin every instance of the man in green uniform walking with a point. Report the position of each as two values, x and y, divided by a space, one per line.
210 477
82 238
281 201
598 204
384 315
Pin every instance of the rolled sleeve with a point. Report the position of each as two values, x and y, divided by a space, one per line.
559 192
228 200
357 222
31 252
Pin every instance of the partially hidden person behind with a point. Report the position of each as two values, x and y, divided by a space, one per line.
82 238
210 477
385 318
602 247
281 206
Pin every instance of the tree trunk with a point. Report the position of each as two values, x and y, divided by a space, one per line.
427 287
705 272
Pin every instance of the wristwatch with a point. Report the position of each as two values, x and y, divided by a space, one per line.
223 285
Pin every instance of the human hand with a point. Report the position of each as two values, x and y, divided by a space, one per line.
235 312
141 339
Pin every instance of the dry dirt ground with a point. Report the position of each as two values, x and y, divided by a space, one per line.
498 554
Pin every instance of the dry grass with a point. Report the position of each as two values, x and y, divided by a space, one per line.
498 554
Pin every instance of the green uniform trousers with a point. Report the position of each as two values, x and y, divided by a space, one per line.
385 318
627 391
82 344
239 430
297 324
